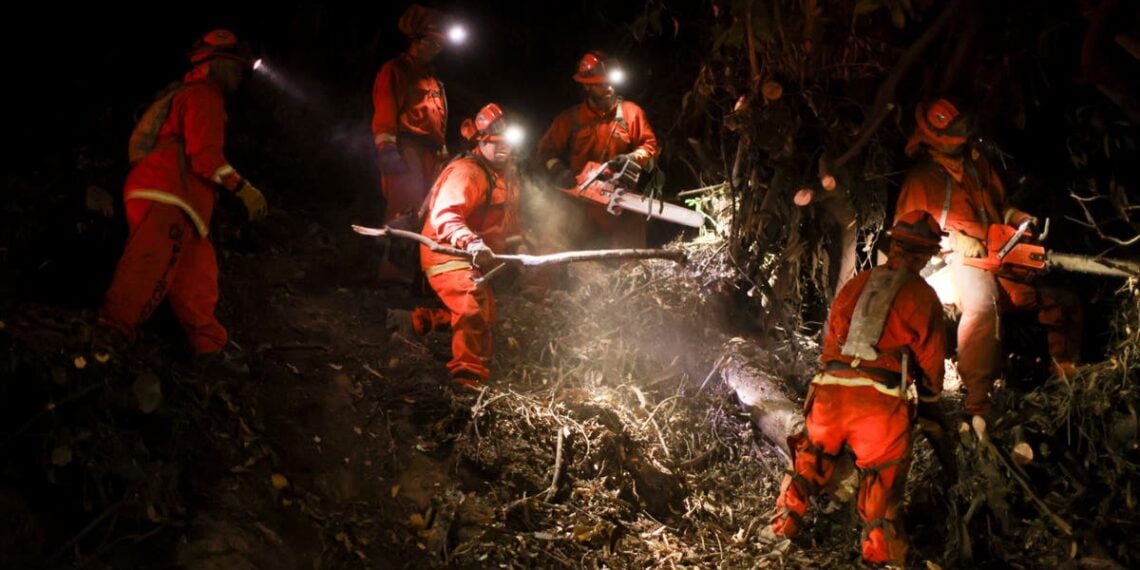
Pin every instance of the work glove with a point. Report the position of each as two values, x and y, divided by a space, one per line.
481 255
253 200
969 246
1014 217
390 160
619 160
616 163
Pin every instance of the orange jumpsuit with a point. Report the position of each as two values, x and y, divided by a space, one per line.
977 199
583 134
865 409
464 207
169 197
410 111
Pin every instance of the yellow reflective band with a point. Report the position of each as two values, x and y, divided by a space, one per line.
222 172
453 265
551 163
930 399
169 199
829 380
385 138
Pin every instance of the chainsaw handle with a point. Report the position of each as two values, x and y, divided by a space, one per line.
1016 237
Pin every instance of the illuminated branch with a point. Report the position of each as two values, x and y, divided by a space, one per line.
532 260
1090 222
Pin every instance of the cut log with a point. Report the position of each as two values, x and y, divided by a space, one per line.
759 393
777 416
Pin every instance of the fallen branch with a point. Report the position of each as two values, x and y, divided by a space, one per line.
550 491
531 260
1044 509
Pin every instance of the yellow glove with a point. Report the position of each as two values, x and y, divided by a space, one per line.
969 246
254 201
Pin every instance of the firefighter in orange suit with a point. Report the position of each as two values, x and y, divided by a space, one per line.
169 196
409 126
474 207
885 331
956 185
599 129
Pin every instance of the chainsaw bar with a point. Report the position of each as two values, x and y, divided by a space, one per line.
616 201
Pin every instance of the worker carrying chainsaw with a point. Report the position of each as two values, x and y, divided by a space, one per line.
885 331
177 167
954 183
409 125
602 129
473 206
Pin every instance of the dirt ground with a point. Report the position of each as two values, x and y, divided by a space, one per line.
607 437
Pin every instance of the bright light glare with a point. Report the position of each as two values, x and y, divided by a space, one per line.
616 76
943 284
457 34
514 135
258 64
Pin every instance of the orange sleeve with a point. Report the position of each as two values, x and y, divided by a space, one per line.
460 193
644 140
555 143
203 115
386 103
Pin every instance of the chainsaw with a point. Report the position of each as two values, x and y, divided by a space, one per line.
1014 252
609 184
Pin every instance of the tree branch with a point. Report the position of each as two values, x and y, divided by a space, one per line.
531 260
883 105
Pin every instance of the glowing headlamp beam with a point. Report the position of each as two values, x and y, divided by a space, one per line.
616 76
457 34
514 135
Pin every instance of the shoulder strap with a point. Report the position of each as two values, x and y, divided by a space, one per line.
871 310
945 200
619 115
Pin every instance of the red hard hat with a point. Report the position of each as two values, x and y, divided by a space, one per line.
592 68
218 43
488 124
917 231
938 123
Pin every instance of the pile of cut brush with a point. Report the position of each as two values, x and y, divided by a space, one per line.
613 436
1054 484
609 437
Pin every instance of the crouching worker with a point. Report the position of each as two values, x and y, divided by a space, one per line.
881 321
177 169
473 206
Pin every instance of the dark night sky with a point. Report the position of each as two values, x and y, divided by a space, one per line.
99 60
